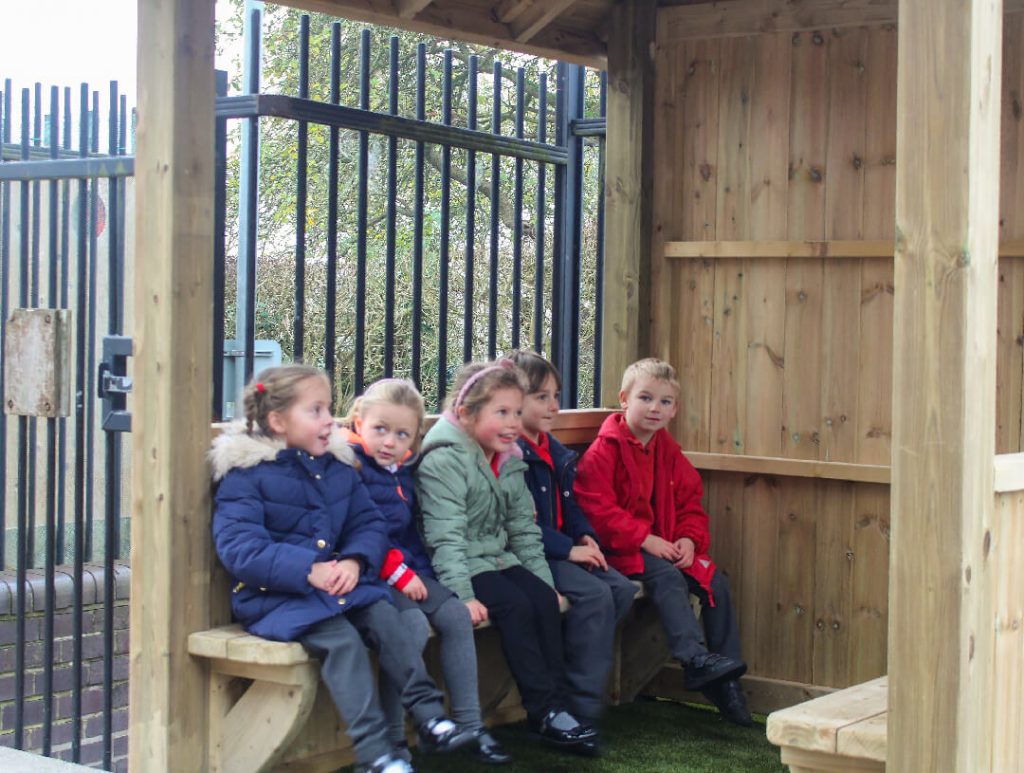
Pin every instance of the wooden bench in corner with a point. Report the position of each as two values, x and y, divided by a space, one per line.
841 731
267 711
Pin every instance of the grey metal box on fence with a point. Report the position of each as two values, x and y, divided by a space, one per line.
266 354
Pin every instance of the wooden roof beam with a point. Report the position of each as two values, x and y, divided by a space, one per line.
525 31
408 9
507 11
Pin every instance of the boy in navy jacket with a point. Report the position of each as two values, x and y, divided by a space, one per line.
600 595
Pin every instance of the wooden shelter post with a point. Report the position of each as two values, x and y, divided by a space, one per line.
173 383
628 191
945 565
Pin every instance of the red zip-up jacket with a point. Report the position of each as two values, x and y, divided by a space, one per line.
607 488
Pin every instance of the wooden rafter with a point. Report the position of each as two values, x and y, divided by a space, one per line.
472 23
525 30
407 9
507 11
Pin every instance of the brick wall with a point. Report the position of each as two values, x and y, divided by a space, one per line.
63 659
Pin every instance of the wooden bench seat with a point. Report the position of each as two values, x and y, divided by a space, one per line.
842 731
251 731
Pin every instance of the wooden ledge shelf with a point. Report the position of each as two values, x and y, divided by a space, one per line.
794 468
1009 473
839 248
842 731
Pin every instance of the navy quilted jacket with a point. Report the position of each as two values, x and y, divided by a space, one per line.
279 510
547 486
395 496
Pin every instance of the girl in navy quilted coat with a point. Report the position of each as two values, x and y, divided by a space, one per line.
386 421
303 541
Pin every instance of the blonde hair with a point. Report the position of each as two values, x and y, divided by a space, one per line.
476 382
650 367
275 389
389 391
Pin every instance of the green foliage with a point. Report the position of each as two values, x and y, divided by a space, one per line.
278 203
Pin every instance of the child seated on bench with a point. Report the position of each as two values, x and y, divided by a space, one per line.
478 521
600 596
385 424
303 542
643 498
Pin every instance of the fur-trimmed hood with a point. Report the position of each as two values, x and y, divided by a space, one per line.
236 447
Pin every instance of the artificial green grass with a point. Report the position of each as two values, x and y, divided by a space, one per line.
652 736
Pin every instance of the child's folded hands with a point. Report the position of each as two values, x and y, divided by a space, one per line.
335 577
661 548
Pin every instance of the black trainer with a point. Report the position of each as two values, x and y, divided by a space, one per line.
562 729
711 667
441 735
488 750
728 696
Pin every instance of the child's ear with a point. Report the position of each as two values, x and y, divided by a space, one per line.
463 414
276 422
623 397
357 425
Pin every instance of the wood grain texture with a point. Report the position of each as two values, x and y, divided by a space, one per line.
942 715
627 309
694 94
718 19
815 725
171 551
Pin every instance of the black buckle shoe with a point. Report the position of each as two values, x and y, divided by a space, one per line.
563 729
489 751
731 702
440 735
711 667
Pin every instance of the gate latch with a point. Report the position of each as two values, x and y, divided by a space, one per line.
115 384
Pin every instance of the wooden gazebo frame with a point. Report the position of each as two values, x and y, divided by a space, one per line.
955 612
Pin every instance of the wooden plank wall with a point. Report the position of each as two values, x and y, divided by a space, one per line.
791 136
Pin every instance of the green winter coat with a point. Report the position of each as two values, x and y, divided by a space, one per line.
472 521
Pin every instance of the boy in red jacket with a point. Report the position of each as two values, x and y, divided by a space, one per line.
643 497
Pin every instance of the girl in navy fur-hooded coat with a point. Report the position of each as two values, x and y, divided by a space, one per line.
279 510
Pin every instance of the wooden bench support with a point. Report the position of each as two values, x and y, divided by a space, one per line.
251 732
842 731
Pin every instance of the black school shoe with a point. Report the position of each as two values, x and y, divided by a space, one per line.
711 667
488 750
563 729
731 702
440 735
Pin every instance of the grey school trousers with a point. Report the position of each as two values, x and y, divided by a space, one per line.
340 643
599 601
670 589
457 653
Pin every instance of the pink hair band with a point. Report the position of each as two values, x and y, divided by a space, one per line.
502 364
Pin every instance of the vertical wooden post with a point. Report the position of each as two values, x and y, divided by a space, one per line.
942 587
171 403
628 192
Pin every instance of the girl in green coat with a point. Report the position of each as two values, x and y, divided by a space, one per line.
478 523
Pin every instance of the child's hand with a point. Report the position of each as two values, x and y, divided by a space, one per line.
660 548
348 576
589 541
588 557
477 611
415 590
323 575
687 549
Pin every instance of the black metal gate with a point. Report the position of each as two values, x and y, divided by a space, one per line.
477 281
